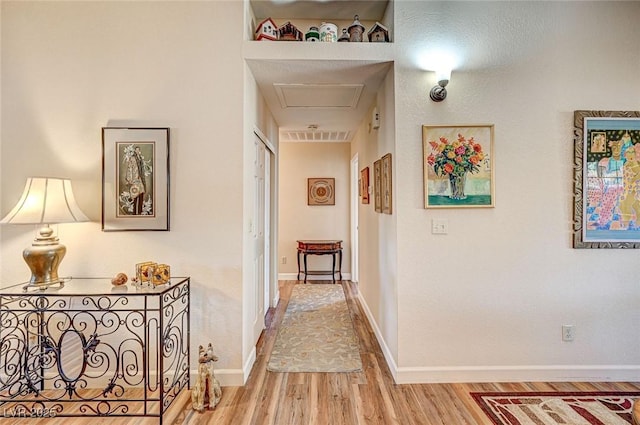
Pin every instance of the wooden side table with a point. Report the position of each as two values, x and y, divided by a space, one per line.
320 247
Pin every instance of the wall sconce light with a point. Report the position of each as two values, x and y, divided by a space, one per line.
438 93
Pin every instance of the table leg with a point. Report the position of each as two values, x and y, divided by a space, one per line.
340 264
305 267
298 264
333 267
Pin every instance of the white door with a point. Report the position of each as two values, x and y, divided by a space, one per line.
355 202
259 260
267 231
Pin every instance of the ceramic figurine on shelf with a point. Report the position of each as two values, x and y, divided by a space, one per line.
312 35
289 32
378 34
345 36
266 30
356 30
328 32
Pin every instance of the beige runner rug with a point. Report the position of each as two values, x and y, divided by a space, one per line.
316 334
553 408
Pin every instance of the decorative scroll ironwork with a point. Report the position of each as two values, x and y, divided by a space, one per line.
104 355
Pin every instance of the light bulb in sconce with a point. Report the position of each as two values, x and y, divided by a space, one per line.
438 93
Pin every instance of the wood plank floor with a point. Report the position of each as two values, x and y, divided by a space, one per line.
368 397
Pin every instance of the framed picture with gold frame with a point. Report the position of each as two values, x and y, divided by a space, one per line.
321 191
458 166
377 185
386 184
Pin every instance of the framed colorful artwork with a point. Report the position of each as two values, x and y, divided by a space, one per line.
458 166
606 180
321 191
377 185
386 184
135 179
364 184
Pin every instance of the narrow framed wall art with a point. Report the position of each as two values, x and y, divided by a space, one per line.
135 179
386 184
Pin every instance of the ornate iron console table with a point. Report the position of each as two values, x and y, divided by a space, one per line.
88 348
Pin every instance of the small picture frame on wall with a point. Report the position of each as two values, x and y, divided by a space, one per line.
321 191
377 185
386 180
364 184
135 179
606 212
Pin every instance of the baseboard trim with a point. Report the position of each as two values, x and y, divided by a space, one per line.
551 373
231 377
391 363
294 276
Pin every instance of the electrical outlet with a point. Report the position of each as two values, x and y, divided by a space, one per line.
568 333
284 260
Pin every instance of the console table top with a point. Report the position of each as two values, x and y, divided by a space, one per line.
79 286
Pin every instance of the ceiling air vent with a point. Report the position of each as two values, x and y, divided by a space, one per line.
315 136
318 95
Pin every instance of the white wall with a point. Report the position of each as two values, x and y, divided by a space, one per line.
70 68
298 162
487 301
378 283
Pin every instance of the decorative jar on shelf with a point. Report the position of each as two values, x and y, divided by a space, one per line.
312 35
328 32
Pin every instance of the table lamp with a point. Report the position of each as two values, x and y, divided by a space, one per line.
45 201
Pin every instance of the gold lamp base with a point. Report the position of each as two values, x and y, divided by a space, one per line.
43 258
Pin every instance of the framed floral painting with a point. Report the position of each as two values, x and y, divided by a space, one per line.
458 166
135 179
606 180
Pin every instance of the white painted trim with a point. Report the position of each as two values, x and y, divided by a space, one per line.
264 139
231 377
391 363
226 377
248 365
294 276
551 373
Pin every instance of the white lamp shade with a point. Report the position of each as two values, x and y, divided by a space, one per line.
46 200
443 74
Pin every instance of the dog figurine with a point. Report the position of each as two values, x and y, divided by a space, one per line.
207 390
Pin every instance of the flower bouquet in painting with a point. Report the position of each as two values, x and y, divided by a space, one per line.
455 160
457 167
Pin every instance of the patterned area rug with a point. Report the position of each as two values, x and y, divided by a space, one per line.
316 334
553 408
